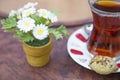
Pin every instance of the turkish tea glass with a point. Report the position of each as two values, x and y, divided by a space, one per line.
105 36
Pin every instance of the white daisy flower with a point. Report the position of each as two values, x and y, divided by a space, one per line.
40 32
53 17
12 13
19 13
26 24
30 5
27 12
43 13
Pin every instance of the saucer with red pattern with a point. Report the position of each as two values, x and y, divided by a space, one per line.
77 48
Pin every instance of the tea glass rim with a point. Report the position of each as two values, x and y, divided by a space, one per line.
101 12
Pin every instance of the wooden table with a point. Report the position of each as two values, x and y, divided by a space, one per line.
13 64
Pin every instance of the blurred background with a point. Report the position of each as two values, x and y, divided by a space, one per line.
71 12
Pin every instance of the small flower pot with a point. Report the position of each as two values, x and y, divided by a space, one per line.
38 56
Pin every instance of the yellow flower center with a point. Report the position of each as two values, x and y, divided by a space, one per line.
44 13
27 23
39 31
27 12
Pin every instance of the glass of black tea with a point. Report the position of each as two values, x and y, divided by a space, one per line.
105 37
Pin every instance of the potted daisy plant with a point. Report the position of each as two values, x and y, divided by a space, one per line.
32 27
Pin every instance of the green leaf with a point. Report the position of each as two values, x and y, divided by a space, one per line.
25 37
54 12
8 30
18 33
63 30
43 20
55 33
38 19
59 32
51 30
9 23
58 35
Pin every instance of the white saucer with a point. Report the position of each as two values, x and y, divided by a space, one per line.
77 48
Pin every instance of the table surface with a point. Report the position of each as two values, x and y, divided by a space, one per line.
13 64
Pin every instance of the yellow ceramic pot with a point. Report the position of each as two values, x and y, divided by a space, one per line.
38 56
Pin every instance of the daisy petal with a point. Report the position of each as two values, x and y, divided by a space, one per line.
40 32
26 24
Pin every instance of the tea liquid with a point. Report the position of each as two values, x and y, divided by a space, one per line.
105 36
